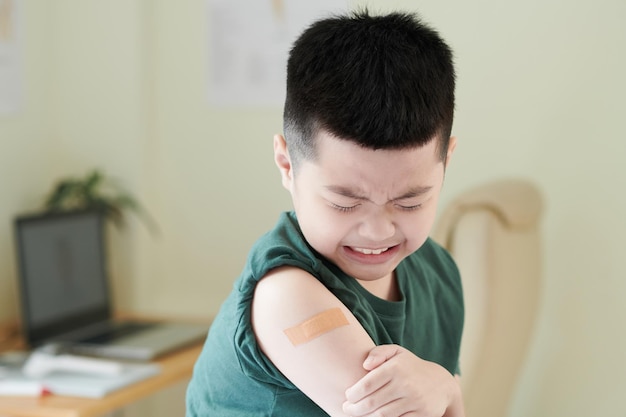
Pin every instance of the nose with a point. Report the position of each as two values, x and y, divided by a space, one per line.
377 226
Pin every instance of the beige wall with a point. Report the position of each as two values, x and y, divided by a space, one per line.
121 85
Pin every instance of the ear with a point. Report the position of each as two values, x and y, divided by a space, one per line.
283 161
451 148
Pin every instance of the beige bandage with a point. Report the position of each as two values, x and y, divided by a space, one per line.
316 326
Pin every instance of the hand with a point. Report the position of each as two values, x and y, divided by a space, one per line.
398 383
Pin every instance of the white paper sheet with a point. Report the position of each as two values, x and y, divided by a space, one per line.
249 42
10 68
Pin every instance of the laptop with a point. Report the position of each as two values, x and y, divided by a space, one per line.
65 295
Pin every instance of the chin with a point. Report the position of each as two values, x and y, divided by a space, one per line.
367 273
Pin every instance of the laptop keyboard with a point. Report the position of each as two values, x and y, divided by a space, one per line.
118 331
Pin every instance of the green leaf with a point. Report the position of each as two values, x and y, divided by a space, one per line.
95 191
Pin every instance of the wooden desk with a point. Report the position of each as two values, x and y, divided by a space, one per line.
175 367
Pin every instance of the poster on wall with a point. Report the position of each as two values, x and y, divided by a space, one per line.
249 41
10 68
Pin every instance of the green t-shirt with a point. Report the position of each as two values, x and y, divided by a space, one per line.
233 378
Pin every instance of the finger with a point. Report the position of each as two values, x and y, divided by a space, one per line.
379 355
367 385
383 402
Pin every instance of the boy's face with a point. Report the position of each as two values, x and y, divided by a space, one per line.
362 209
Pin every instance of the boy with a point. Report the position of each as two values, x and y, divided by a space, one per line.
347 308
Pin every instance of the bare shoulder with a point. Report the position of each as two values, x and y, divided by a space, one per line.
291 289
309 335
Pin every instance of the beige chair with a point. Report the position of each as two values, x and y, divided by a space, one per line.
493 232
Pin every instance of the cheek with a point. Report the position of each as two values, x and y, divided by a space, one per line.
321 229
324 231
417 230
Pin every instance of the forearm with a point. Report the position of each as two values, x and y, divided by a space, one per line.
400 383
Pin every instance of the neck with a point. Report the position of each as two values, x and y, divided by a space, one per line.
385 288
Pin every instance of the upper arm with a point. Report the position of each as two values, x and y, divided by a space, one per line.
327 364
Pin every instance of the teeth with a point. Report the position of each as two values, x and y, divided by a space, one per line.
371 251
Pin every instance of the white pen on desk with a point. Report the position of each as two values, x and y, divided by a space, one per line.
23 388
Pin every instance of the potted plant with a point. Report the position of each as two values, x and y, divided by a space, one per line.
95 191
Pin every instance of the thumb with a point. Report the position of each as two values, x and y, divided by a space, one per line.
379 355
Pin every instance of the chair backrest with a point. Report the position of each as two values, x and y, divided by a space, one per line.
493 232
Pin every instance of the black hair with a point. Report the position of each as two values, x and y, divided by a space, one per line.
383 82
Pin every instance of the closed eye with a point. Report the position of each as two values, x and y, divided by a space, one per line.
343 209
409 208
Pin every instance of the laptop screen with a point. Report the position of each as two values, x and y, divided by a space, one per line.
62 269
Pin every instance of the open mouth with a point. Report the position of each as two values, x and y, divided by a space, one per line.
366 251
371 255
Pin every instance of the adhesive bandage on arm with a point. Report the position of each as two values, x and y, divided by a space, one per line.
316 326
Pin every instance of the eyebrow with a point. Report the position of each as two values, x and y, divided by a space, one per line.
350 193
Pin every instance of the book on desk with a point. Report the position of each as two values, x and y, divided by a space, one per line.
73 381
